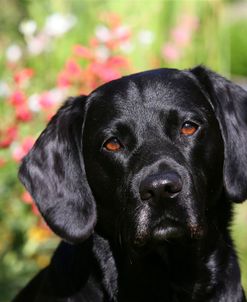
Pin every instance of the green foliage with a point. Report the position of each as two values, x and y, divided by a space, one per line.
238 48
239 232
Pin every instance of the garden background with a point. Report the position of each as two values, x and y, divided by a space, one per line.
52 49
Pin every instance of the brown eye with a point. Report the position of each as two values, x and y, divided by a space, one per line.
113 145
188 128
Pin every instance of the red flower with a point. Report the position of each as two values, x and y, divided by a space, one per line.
9 136
49 116
23 114
23 75
70 73
26 197
17 98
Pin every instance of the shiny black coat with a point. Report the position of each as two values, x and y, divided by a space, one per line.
143 205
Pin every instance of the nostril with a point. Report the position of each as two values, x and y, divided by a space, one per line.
173 185
165 185
146 194
147 188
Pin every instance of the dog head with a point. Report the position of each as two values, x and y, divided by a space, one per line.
153 152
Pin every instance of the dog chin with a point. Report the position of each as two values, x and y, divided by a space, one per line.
158 235
167 233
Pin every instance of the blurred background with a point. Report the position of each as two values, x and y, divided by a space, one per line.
52 49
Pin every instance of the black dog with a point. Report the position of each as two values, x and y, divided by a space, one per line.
160 156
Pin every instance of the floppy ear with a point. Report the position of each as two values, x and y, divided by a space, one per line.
230 105
53 172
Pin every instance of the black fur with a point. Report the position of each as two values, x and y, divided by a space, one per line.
164 199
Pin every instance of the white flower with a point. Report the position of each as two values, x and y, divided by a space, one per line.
127 47
33 103
102 33
13 53
58 24
122 32
28 28
4 89
14 146
58 95
102 53
146 37
37 44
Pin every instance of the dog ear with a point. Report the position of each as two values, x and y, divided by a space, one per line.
53 172
230 105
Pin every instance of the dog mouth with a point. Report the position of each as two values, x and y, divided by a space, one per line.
169 229
167 233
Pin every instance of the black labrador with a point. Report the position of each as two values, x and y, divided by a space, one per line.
138 179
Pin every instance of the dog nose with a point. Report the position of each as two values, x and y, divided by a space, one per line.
158 186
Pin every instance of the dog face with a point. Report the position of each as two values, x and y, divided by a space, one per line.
153 152
153 156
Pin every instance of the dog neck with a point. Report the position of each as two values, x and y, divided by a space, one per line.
177 271
104 257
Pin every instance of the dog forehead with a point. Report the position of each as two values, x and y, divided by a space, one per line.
148 92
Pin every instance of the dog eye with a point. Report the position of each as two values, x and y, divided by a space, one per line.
113 145
188 128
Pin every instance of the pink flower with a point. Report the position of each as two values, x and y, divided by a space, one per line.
105 72
46 101
72 68
63 80
181 36
51 98
122 33
18 154
21 150
190 21
118 61
183 32
17 98
82 52
28 144
170 52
